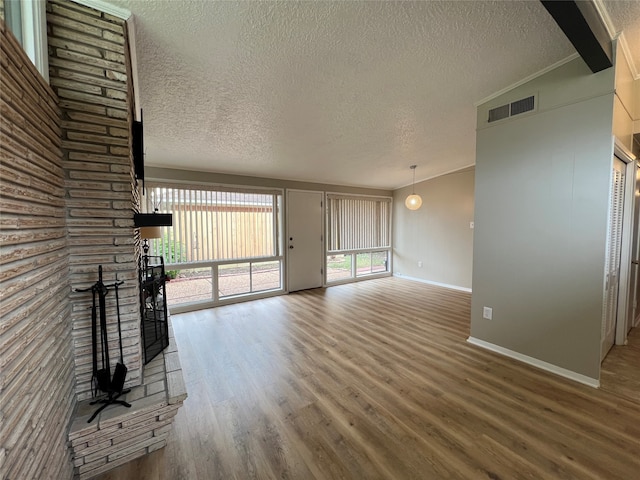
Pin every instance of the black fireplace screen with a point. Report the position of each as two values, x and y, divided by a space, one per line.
155 329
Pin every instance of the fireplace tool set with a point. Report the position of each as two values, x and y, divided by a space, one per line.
101 379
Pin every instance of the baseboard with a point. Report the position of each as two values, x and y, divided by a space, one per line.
563 372
437 284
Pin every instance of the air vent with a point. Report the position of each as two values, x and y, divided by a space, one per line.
498 113
521 106
511 109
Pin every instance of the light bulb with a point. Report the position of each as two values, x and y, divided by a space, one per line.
413 202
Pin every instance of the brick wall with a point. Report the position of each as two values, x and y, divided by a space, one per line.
88 63
36 381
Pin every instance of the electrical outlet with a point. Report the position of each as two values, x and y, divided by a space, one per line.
487 313
420 264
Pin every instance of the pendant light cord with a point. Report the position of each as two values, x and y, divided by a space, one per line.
413 185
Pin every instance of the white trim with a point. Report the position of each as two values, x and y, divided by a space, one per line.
624 277
34 34
133 60
361 278
563 372
621 151
622 41
105 7
626 52
448 172
604 16
526 79
430 282
207 304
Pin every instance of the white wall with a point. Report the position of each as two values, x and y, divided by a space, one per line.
438 234
541 208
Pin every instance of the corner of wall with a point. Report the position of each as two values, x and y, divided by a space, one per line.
542 196
435 242
88 71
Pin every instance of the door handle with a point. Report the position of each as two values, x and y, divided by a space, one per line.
635 262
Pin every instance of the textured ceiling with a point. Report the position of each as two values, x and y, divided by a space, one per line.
625 16
346 92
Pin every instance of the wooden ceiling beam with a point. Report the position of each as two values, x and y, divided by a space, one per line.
581 23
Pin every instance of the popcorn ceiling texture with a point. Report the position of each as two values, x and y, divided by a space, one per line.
625 16
334 92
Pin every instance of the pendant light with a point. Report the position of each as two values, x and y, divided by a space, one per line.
413 201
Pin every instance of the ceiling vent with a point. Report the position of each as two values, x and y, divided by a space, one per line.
521 106
511 109
498 113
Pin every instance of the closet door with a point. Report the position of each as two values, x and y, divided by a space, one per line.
612 268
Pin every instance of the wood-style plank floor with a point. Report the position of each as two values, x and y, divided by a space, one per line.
375 380
620 372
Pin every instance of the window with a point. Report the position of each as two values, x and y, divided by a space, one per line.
27 20
13 18
224 242
358 236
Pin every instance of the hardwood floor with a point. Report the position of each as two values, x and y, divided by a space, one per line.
620 372
375 380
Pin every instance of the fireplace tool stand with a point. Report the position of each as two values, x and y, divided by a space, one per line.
112 399
101 379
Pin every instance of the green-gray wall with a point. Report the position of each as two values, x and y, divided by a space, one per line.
541 208
439 233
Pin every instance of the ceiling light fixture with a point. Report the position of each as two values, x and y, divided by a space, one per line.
413 201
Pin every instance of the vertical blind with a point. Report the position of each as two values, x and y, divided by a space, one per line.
356 223
215 223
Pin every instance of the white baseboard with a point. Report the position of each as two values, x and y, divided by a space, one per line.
438 284
563 372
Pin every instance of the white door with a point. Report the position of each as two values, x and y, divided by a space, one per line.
612 266
305 249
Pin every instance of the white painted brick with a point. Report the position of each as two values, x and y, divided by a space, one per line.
32 140
162 430
87 467
157 446
156 387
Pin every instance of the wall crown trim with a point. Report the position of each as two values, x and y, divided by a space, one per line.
526 79
613 34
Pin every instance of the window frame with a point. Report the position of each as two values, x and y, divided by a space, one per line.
353 253
213 265
33 31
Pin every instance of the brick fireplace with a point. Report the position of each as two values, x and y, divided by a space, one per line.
91 73
68 198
